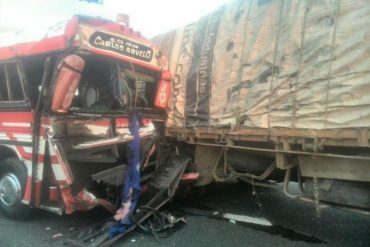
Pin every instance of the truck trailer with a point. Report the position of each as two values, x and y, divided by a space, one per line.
271 92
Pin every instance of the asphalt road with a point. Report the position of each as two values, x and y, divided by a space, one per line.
295 223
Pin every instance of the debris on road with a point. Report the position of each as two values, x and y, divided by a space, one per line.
160 189
58 235
247 219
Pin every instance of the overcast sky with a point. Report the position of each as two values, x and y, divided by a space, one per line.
151 17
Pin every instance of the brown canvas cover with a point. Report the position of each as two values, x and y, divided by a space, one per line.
272 63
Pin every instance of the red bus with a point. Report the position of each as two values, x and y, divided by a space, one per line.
64 107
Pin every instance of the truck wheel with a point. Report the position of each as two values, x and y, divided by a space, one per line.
12 184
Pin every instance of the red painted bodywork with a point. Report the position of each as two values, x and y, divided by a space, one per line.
163 91
68 40
15 124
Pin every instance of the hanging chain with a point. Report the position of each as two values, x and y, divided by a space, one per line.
258 202
316 190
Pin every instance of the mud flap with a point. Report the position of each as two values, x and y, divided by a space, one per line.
159 190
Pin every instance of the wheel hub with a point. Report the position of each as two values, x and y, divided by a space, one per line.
10 190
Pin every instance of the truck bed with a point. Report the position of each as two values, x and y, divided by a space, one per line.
356 137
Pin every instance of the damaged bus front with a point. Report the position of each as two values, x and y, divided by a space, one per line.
65 103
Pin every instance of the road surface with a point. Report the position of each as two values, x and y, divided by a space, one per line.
335 227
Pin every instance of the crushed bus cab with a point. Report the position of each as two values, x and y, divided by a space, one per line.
65 102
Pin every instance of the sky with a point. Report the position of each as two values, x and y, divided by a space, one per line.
150 17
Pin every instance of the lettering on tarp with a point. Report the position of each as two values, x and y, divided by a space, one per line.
121 46
183 63
198 86
192 87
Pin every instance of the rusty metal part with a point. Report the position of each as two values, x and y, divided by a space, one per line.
316 191
205 159
266 150
234 175
331 137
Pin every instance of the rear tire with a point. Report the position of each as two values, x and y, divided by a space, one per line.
13 175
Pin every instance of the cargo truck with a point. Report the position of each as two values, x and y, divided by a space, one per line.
271 92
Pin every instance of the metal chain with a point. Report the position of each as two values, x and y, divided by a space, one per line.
258 202
316 191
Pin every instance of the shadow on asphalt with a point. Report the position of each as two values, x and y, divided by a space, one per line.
294 223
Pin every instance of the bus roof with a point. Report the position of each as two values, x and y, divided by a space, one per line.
92 34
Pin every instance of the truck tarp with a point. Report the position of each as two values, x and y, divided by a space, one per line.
272 63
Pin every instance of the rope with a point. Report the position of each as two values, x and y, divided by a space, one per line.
274 74
327 88
296 83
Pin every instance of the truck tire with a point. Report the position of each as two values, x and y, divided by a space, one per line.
13 175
